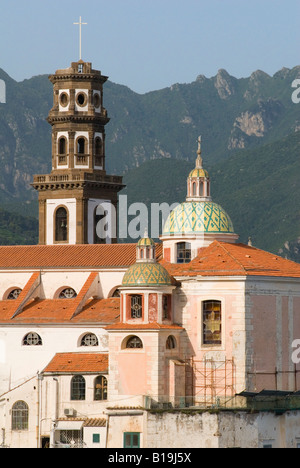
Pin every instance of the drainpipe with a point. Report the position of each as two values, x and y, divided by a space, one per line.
39 391
107 431
56 399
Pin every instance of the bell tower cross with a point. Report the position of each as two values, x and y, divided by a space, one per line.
80 36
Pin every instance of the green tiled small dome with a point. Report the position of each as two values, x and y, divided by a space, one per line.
147 274
145 241
199 172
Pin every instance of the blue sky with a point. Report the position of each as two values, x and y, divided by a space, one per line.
150 44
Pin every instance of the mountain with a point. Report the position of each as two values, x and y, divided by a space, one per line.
16 229
229 113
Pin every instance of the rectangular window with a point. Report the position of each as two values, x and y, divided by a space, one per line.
96 438
212 323
131 440
183 252
167 307
136 307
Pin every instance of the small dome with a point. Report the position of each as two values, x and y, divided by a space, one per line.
145 241
199 172
198 218
146 274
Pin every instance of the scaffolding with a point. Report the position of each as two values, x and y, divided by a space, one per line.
210 382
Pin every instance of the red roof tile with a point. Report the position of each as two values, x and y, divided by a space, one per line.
82 363
101 311
63 256
223 259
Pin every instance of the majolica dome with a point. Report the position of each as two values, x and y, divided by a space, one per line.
146 241
198 172
198 218
146 271
198 215
146 274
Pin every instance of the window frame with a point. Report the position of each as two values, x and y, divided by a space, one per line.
204 340
131 339
64 290
86 336
131 435
20 416
139 311
186 252
78 389
171 343
104 386
34 334
65 236
12 297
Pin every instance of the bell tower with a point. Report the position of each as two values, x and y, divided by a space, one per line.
78 183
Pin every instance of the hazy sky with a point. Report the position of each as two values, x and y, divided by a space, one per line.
150 44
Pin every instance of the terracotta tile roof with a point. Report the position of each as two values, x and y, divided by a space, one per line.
38 311
142 326
64 256
11 308
82 363
86 422
95 422
25 294
223 259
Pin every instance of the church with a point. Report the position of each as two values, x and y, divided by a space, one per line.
104 344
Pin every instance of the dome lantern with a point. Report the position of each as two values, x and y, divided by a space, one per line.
145 249
197 222
198 182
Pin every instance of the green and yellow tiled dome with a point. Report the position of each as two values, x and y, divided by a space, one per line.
146 274
146 241
197 218
199 172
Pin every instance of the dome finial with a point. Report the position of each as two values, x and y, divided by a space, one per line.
199 160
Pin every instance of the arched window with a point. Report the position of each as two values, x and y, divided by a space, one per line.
100 228
212 322
208 189
81 146
183 252
136 304
78 388
19 416
67 293
171 342
134 342
98 146
14 294
32 339
90 339
194 188
201 189
116 293
100 388
62 144
61 225
166 306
